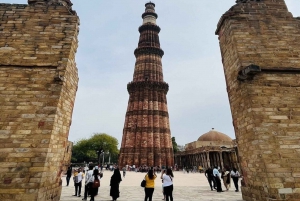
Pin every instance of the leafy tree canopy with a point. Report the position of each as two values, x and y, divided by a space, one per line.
175 147
86 149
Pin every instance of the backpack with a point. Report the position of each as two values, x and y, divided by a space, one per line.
96 183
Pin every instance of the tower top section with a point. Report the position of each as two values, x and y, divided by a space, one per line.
149 16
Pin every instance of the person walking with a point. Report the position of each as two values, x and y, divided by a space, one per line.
88 182
96 190
210 178
114 184
69 174
217 176
167 177
235 175
226 178
124 171
93 189
149 188
78 176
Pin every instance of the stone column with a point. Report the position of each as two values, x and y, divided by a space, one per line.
147 102
221 159
215 160
201 159
208 159
262 84
205 164
39 80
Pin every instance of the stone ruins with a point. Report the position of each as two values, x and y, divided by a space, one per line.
211 149
146 134
38 84
260 45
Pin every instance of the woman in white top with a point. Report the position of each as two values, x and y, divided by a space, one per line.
235 177
167 178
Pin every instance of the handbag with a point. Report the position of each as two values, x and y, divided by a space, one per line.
143 183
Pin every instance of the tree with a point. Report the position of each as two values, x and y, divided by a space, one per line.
90 149
175 147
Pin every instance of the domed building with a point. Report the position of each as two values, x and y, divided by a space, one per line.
211 149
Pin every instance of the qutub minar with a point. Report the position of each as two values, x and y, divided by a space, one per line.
146 134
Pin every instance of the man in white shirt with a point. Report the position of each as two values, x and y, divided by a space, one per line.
88 182
217 177
78 176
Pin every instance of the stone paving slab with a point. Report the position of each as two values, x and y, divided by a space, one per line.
187 187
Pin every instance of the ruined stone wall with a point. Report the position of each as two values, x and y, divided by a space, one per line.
38 83
260 46
67 157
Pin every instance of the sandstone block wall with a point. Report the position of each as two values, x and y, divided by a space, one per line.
264 97
67 157
38 83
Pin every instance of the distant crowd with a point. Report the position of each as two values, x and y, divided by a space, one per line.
216 175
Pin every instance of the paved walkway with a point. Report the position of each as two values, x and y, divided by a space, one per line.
187 187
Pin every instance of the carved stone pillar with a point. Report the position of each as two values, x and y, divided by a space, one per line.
221 159
208 159
214 159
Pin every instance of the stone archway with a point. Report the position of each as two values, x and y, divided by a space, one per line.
37 94
260 54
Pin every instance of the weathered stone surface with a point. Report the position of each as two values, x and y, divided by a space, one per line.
260 50
146 134
38 84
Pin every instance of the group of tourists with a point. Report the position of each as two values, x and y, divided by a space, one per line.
92 177
92 182
167 184
215 178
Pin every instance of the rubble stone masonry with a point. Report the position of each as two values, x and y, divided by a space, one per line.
38 84
260 46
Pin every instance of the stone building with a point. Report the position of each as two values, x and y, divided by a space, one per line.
260 46
146 135
38 84
211 149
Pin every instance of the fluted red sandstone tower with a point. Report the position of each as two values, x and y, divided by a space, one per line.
38 83
146 134
260 45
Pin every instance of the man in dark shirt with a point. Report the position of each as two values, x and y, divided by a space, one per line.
210 177
69 174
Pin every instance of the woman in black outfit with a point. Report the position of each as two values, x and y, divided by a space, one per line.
114 184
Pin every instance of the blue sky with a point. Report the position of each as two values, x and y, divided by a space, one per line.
197 99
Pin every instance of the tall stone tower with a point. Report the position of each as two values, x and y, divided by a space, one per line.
38 83
260 48
146 134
